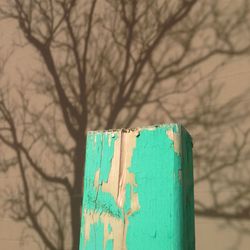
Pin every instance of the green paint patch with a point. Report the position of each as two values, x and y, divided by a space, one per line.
99 157
110 245
97 233
109 228
154 165
127 205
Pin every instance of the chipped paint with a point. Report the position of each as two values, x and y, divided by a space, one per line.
128 143
176 138
96 181
135 188
112 228
111 186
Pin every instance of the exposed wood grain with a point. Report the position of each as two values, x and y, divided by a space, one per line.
138 190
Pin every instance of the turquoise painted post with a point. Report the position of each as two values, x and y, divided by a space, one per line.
138 190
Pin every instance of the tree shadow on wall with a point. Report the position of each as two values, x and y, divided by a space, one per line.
105 64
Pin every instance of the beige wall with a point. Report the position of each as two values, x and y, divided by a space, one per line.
210 233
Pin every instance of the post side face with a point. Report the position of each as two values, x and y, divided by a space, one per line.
135 192
188 192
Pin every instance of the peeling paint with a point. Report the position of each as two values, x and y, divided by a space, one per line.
111 177
111 186
92 219
135 190
97 176
176 138
128 143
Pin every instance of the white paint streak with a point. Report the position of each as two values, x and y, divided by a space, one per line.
127 146
119 177
176 138
113 181
96 180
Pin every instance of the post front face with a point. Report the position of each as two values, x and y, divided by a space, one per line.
138 190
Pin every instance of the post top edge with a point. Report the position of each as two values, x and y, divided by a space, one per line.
167 125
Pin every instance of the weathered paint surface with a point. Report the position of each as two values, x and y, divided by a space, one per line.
138 190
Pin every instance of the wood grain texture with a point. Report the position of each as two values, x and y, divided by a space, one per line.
138 190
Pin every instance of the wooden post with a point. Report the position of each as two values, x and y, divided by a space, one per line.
138 190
